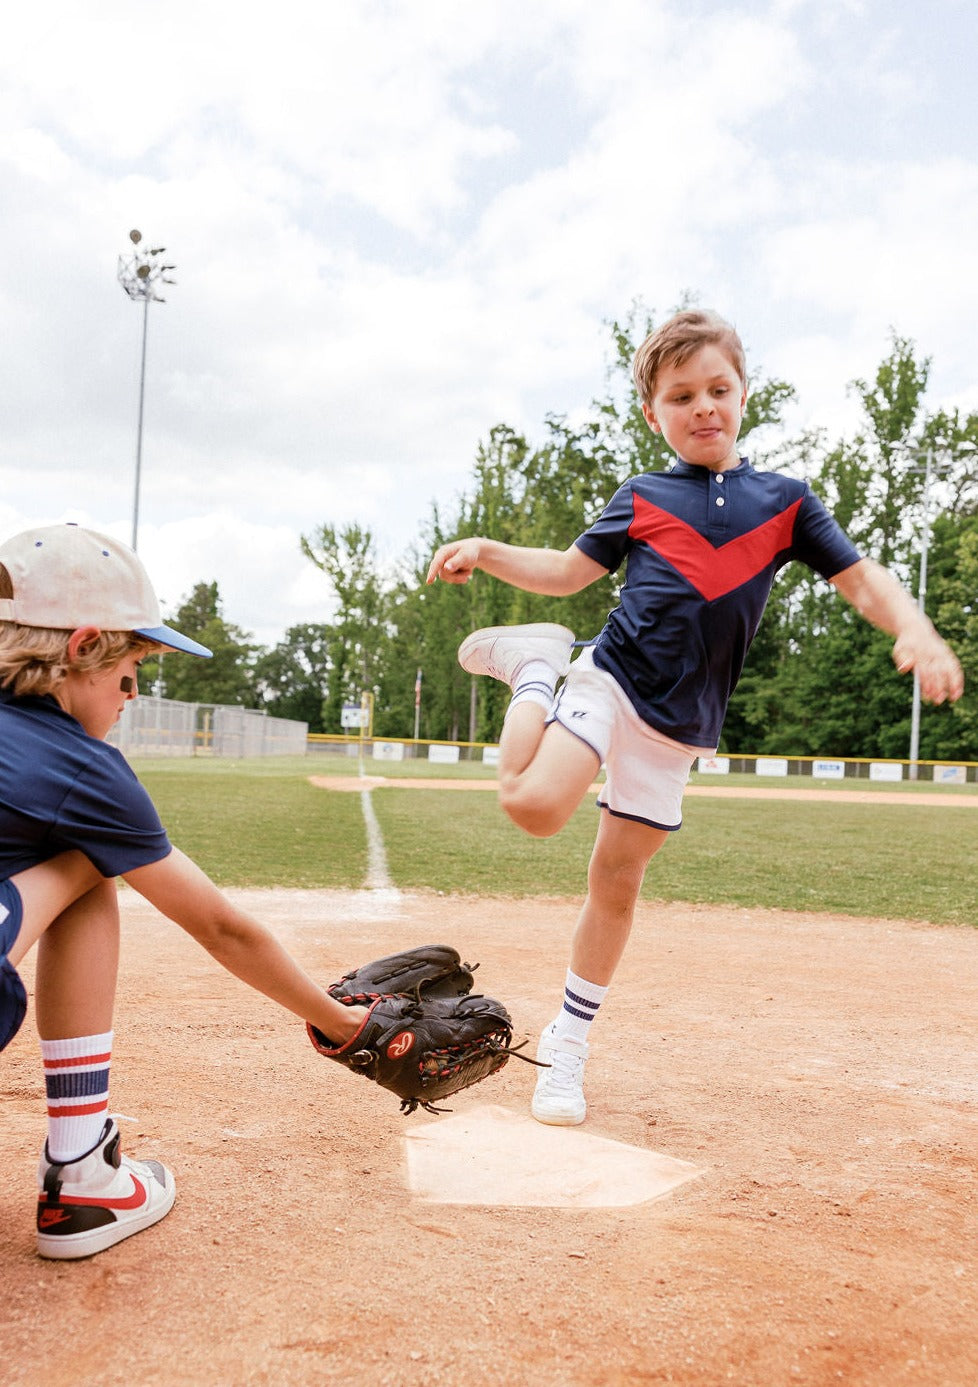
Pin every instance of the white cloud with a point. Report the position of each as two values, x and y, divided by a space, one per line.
396 226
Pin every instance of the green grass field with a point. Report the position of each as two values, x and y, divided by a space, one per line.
260 823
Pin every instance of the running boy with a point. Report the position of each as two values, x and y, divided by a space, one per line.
77 614
703 543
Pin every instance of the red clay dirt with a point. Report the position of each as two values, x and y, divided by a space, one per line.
821 1071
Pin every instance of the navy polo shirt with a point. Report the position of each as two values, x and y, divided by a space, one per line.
61 789
702 550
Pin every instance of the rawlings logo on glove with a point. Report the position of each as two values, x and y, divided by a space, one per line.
424 1036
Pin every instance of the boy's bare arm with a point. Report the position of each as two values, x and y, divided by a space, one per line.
877 596
182 891
550 572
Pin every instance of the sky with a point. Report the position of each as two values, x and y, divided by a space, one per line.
396 225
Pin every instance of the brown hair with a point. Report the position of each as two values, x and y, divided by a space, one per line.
675 342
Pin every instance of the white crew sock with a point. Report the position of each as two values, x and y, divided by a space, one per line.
581 1002
535 683
76 1078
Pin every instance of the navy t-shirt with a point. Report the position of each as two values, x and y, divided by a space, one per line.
703 550
61 789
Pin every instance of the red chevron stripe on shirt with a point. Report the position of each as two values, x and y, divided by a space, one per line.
712 571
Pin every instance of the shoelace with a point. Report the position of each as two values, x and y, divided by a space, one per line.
565 1070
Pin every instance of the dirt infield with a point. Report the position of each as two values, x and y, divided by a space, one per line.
820 1070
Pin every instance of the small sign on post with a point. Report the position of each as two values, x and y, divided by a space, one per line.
351 716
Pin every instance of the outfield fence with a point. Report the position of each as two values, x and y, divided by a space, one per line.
164 727
821 768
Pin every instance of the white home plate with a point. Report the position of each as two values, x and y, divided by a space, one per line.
490 1155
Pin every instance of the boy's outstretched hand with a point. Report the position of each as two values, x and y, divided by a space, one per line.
877 596
455 562
920 648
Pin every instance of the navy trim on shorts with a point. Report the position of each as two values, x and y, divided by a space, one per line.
637 819
13 996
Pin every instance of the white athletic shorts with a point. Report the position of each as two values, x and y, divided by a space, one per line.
645 772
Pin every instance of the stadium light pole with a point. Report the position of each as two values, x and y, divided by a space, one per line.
417 704
931 468
140 273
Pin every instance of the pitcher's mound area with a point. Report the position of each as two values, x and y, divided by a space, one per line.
490 1155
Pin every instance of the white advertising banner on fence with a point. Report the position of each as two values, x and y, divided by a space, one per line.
771 765
951 775
829 770
885 770
388 751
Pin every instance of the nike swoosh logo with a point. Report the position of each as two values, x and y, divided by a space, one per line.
50 1218
128 1201
713 572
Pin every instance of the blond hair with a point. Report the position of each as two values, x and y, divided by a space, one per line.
677 339
34 659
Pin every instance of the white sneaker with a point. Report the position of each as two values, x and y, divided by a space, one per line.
502 651
558 1099
86 1205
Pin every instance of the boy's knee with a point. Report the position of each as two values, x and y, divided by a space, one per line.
531 813
618 875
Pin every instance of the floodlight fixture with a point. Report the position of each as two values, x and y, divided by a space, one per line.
139 274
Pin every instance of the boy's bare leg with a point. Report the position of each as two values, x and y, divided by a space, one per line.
622 852
90 1195
77 966
544 770
45 891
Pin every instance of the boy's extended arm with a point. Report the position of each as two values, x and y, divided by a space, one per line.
550 572
877 596
182 891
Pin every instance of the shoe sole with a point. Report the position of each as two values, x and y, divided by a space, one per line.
554 1120
540 630
76 1245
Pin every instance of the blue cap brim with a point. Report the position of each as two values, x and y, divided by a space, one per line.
165 636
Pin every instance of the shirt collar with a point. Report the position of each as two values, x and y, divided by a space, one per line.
689 469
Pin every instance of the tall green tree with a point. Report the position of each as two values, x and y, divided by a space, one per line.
358 632
885 498
426 630
950 732
292 678
226 678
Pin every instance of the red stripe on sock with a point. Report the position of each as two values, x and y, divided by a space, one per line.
77 1059
79 1109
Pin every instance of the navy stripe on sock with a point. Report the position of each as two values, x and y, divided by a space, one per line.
581 1015
581 1001
81 1085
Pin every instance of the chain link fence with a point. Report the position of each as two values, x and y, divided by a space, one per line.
163 727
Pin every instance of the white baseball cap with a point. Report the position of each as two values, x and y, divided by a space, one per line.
65 577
